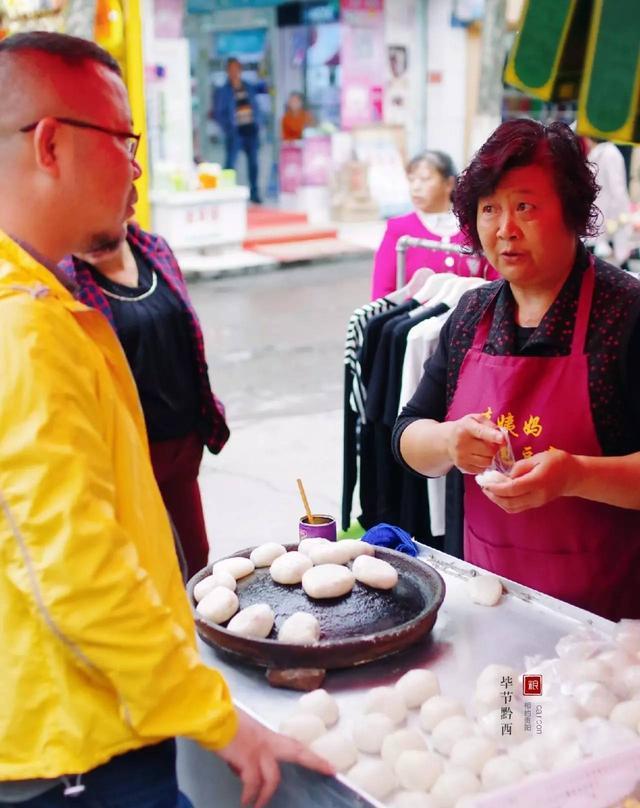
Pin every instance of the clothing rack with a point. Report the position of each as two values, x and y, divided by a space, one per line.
405 242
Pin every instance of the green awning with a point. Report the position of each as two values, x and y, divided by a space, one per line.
587 50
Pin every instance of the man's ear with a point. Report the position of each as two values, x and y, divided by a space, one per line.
45 144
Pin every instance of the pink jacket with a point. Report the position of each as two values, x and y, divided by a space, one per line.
384 269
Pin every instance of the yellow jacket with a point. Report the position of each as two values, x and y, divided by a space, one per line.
98 644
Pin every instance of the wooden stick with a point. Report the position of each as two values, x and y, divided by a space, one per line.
305 502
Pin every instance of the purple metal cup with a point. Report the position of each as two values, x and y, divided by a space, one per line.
326 529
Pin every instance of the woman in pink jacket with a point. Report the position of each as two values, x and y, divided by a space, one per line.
431 176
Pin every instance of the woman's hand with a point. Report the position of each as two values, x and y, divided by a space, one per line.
472 443
534 482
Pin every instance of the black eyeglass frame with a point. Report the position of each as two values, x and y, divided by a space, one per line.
133 140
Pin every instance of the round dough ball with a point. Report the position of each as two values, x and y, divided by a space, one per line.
374 777
290 567
491 726
375 572
220 578
320 703
328 581
304 727
626 682
356 547
304 545
417 770
566 755
472 753
615 658
453 784
415 799
490 476
451 730
218 605
626 713
238 566
265 554
561 731
388 701
485 590
416 686
300 628
337 748
587 670
437 708
493 675
370 730
397 742
330 552
501 771
532 754
628 636
594 699
254 622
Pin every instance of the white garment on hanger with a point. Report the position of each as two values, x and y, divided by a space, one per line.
418 279
422 342
433 285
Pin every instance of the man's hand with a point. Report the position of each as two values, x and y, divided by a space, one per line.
534 482
473 442
254 754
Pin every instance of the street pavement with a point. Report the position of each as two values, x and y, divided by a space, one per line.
274 343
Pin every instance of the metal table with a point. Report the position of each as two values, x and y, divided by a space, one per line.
465 639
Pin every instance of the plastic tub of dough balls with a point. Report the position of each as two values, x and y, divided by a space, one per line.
363 624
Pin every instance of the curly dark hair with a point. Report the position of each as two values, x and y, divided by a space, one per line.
526 142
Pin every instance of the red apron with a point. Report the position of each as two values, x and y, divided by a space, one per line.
583 552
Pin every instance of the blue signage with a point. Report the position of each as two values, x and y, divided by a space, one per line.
207 6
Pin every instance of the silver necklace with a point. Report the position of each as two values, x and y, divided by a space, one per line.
148 293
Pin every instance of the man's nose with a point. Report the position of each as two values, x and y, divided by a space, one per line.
137 170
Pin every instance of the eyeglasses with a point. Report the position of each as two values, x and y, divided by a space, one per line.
131 140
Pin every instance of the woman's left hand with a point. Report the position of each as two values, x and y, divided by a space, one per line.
534 482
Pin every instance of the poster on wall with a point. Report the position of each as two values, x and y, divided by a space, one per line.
396 106
363 51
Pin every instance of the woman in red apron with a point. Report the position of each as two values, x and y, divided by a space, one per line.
544 354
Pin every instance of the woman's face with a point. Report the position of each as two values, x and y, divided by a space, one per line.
522 228
430 191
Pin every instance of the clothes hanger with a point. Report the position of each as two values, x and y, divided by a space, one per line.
417 280
432 286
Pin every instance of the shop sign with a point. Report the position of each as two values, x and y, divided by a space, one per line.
208 6
320 13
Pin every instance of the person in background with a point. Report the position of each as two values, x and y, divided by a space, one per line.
613 240
236 111
549 356
139 288
296 117
100 668
431 177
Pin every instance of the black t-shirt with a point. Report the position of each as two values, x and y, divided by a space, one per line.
152 325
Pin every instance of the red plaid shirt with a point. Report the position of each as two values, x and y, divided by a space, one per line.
157 253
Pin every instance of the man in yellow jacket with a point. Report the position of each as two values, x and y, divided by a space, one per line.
99 663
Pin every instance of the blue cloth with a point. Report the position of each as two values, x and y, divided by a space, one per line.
142 778
238 139
224 106
395 538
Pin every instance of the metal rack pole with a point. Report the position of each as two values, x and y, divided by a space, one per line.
403 244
